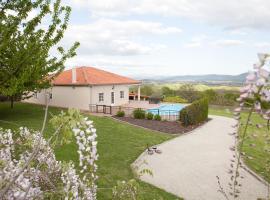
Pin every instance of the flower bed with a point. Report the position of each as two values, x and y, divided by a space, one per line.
172 127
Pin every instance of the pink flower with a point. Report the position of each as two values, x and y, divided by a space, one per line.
245 89
257 106
238 109
251 77
257 66
244 95
264 73
266 94
260 82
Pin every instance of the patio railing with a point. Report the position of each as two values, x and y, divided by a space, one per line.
169 115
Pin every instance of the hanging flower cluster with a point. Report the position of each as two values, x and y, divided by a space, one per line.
256 87
255 91
29 169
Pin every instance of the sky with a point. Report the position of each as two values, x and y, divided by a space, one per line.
144 38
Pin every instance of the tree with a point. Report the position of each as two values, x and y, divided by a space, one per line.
26 64
211 95
147 90
188 92
166 91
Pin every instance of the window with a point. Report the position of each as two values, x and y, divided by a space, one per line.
112 97
122 94
50 95
100 97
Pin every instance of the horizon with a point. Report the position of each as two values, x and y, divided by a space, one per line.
156 38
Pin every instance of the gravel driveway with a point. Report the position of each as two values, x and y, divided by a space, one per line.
190 163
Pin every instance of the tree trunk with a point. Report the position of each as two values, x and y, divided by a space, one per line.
11 102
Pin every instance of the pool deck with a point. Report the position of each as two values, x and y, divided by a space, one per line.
147 105
141 104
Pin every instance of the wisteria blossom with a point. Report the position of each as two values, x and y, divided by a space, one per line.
255 91
29 169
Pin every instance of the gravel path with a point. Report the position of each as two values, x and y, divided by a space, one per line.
190 163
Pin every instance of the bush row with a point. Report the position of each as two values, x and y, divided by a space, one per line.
140 114
194 113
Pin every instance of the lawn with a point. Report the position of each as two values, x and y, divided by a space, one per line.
118 146
258 155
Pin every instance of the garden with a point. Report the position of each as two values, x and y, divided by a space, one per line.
190 117
118 146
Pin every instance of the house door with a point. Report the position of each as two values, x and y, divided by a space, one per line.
112 97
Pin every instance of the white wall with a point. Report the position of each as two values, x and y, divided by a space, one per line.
81 97
107 89
71 97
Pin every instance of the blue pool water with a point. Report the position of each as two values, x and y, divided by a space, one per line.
167 109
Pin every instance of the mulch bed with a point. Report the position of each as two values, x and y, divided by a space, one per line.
163 126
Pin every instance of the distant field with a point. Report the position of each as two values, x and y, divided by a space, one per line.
199 87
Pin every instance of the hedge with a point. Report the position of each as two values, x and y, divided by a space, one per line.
149 116
194 113
157 117
139 113
120 113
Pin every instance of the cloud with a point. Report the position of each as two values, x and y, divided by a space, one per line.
196 41
121 66
231 14
115 37
227 42
237 32
262 45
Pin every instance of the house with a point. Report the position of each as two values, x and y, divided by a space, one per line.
82 87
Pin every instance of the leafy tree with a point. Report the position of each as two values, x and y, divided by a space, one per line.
147 90
26 65
166 91
175 99
188 92
210 94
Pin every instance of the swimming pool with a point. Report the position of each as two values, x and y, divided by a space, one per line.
167 109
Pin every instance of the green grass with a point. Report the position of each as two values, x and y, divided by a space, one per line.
220 111
118 146
257 153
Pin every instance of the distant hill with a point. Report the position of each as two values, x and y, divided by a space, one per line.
209 78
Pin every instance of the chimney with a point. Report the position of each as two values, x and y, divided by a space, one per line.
74 75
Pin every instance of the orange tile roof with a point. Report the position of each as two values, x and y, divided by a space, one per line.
92 76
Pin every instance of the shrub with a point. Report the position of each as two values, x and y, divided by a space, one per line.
157 117
120 113
194 113
220 97
139 113
149 116
175 99
188 92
